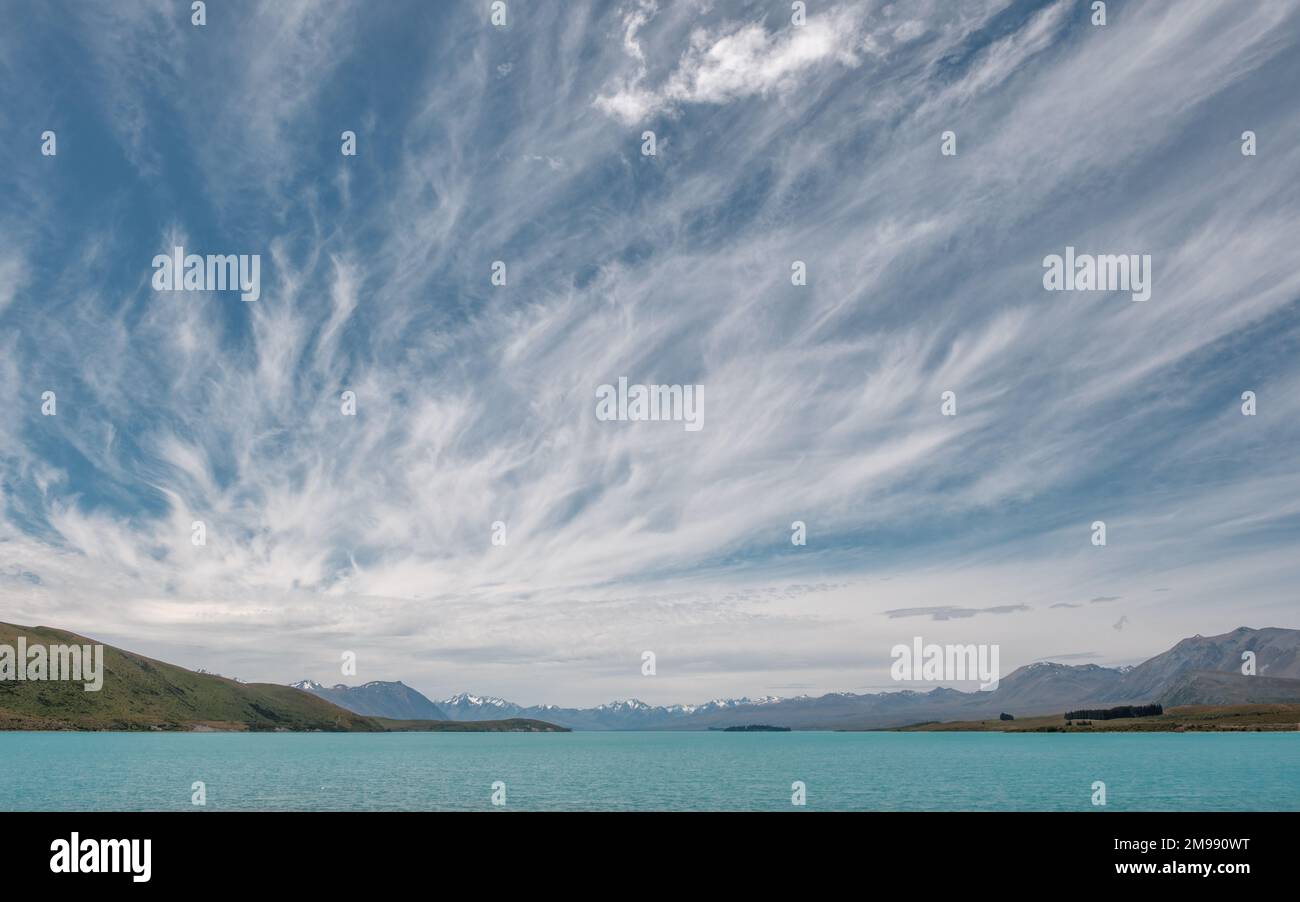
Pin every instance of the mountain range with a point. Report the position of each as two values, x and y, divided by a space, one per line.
143 693
1201 670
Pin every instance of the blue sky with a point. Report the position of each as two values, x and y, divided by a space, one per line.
475 403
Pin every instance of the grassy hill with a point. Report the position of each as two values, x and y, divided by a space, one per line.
1188 718
140 693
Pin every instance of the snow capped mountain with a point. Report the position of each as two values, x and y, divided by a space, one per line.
467 706
622 714
722 704
466 699
719 704
308 685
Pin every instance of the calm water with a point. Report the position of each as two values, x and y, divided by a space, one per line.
649 771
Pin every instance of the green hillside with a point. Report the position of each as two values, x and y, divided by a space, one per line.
140 693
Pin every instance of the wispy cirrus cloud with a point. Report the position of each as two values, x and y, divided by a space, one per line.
778 144
950 612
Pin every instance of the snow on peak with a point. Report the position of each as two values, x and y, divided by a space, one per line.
716 704
475 701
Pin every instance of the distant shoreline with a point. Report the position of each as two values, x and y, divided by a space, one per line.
1280 718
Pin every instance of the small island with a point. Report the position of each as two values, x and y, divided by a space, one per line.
756 728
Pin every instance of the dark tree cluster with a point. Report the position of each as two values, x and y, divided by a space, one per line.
1115 713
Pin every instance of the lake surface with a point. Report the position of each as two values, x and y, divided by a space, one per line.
649 771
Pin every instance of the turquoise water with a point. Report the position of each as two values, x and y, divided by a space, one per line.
649 771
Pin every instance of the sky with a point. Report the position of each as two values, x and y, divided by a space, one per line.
475 403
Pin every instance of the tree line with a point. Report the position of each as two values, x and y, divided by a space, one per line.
1113 713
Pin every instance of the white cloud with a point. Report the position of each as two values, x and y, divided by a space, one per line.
733 62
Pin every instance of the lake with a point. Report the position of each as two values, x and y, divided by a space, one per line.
650 771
